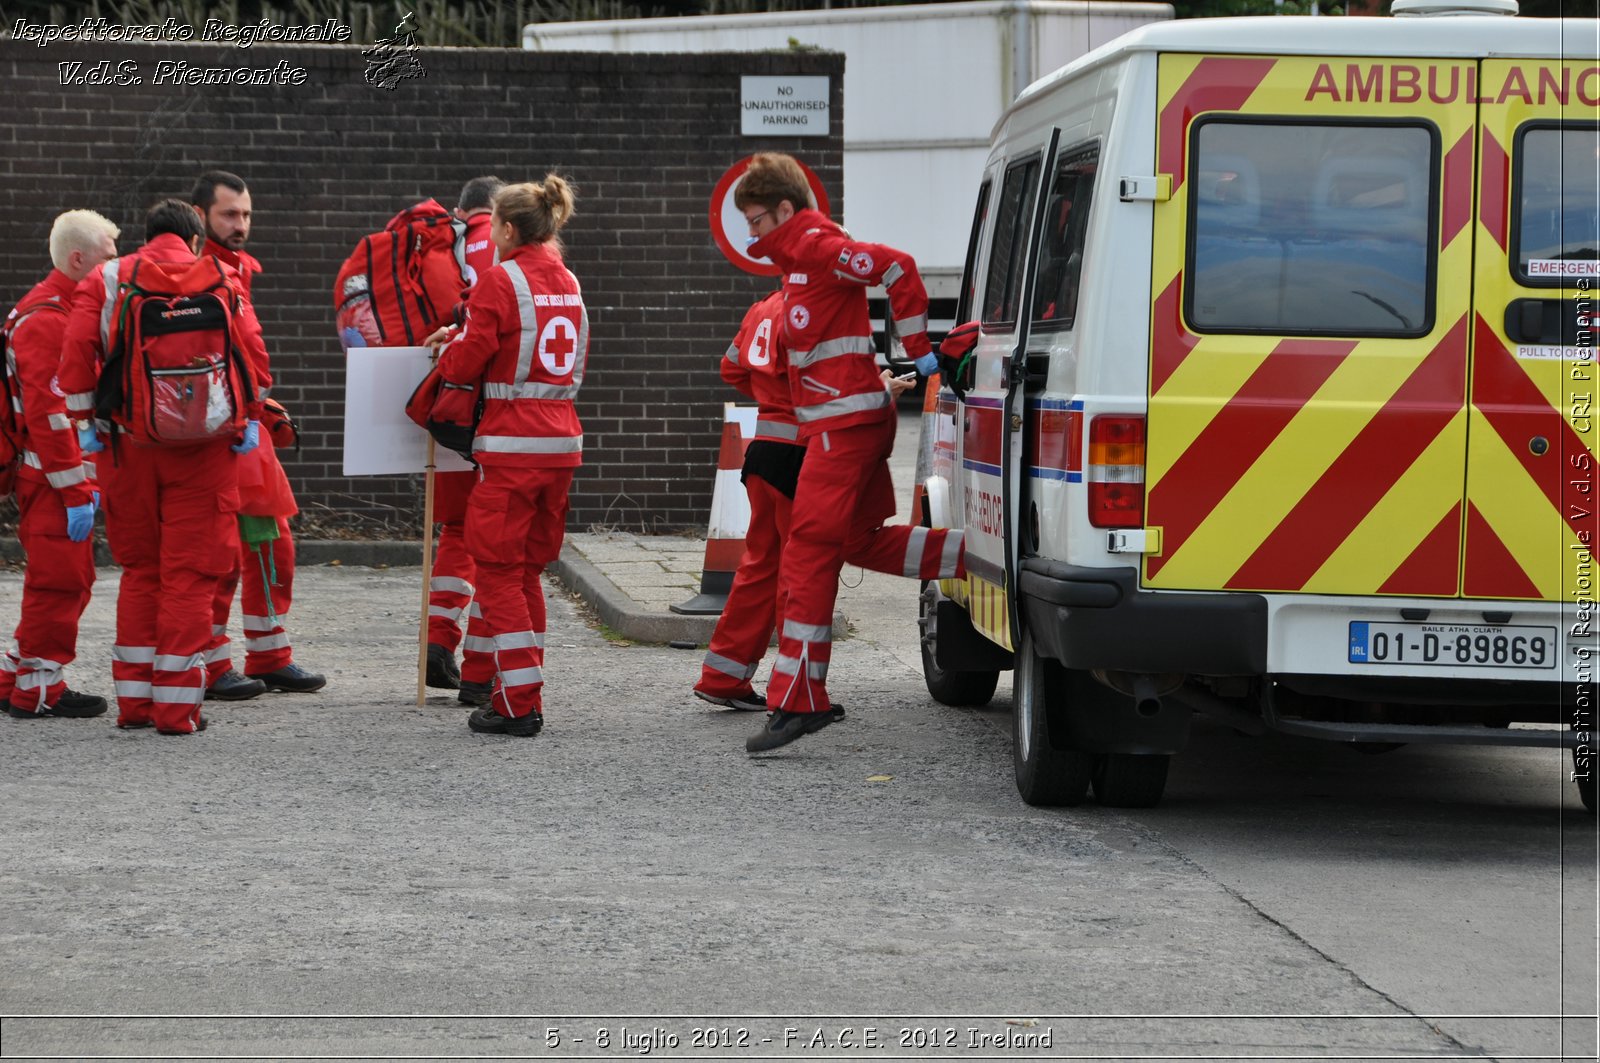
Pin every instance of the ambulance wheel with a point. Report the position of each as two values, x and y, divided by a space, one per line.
962 689
1585 783
1130 780
1048 773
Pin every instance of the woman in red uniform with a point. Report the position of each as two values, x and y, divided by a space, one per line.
526 335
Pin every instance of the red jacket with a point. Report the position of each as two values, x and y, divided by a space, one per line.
833 374
88 329
243 262
758 366
480 249
263 487
527 336
49 444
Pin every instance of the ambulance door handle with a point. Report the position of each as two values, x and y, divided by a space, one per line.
1551 322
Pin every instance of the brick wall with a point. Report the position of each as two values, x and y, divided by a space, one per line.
643 137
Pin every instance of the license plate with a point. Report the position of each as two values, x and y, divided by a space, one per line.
1452 645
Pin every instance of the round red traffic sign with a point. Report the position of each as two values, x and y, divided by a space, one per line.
729 227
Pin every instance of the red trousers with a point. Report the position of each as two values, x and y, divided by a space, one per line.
755 602
171 518
515 521
450 586
265 571
840 503
55 592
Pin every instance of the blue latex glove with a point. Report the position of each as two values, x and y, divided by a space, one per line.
251 440
928 364
89 442
80 521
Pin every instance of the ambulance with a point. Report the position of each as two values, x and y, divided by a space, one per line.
1283 409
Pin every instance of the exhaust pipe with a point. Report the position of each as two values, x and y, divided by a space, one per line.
1145 688
1146 696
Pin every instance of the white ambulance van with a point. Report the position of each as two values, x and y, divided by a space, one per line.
1283 407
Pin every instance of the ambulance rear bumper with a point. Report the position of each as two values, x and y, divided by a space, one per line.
1098 618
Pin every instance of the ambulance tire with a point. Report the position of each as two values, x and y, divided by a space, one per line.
1130 780
1048 772
1585 784
961 689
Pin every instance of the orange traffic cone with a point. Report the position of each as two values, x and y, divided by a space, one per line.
730 516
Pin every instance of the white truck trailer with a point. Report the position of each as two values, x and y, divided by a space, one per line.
924 86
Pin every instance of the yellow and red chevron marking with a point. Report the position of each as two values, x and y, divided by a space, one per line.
1299 464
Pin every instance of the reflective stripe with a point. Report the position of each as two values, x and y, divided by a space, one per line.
778 429
518 640
521 677
31 460
81 401
220 653
131 688
35 673
450 583
8 663
892 274
831 349
910 326
260 623
873 400
178 695
108 273
452 615
172 662
59 421
279 641
793 629
473 610
134 654
729 667
533 444
218 629
733 352
914 547
66 478
791 665
530 320
950 559
530 391
475 644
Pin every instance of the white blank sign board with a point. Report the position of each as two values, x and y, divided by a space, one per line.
379 439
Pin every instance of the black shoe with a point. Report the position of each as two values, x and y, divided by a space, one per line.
751 702
475 693
231 686
293 678
836 710
442 671
486 721
70 705
783 727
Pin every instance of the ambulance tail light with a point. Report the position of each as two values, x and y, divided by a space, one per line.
1116 472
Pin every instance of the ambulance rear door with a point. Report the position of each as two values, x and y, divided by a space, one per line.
1310 324
1530 498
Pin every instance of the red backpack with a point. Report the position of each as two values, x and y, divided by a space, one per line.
450 412
173 374
401 284
11 395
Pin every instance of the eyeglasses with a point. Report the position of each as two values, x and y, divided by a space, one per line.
753 222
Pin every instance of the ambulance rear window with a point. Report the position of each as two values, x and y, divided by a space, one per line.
1556 234
1301 228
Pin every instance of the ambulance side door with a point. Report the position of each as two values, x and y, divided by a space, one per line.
984 436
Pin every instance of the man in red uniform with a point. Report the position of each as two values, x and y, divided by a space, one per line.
55 495
847 421
265 566
450 587
171 510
